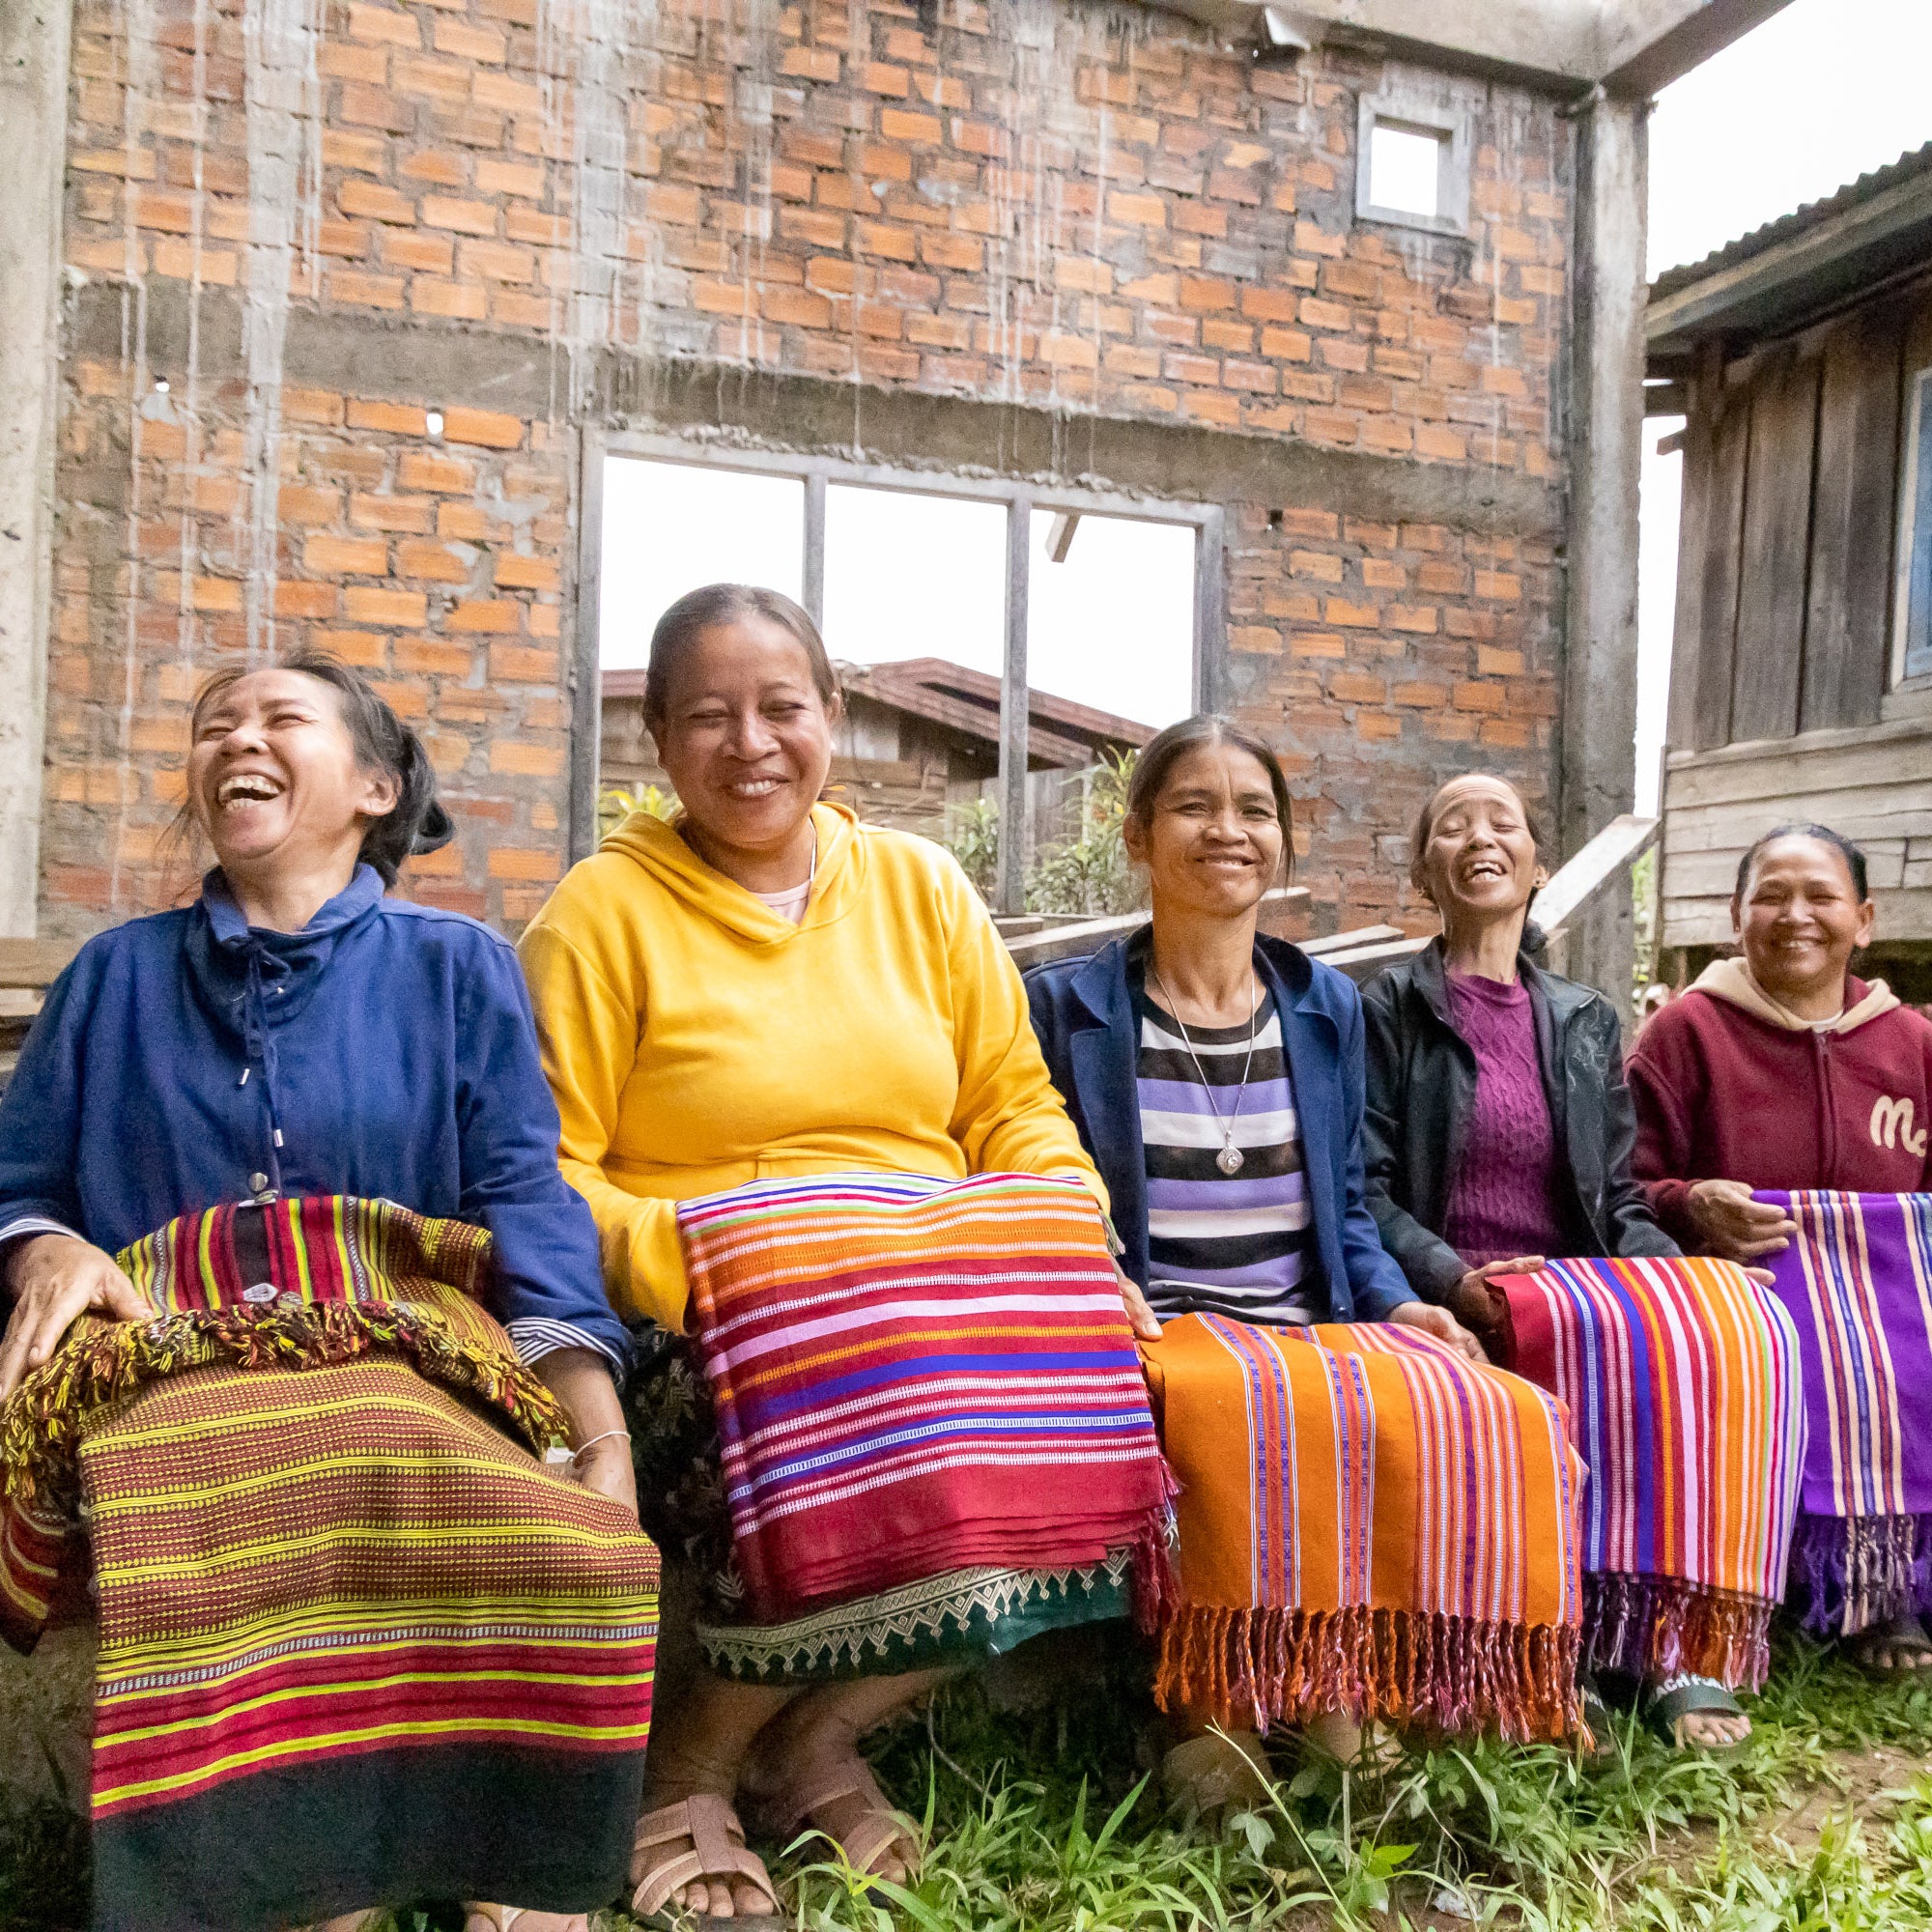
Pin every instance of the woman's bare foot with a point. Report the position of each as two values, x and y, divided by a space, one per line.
1217 1772
513 1919
1336 1734
1898 1648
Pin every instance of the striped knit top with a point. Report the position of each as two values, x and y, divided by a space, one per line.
1233 1245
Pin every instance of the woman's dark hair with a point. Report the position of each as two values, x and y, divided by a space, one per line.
1534 939
416 823
696 612
1166 750
1855 860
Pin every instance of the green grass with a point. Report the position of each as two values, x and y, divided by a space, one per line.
1047 1820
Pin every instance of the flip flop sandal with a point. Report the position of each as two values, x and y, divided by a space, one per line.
718 1851
1667 1704
1216 1773
875 1833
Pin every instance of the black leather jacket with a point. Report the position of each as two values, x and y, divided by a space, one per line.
1422 1090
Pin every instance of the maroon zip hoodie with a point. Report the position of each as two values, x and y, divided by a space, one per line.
1730 1087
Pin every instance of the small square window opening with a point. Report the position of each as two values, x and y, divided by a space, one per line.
1405 169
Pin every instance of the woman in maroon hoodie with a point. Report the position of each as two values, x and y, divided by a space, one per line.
1780 1071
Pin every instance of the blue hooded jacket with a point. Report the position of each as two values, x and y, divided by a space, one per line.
1083 1010
387 1049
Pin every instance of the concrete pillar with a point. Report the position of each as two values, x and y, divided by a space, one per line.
1599 762
33 41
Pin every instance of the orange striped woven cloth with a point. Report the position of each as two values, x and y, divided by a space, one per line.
357 1643
1368 1523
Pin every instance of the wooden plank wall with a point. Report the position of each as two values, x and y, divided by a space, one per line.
1872 782
1784 556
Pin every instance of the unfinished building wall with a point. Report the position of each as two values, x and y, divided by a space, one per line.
1034 238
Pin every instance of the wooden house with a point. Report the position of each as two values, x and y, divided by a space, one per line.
1802 673
915 737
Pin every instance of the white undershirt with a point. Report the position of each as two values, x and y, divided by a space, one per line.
790 903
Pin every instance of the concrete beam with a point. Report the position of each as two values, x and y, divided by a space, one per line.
1643 45
1599 765
433 362
33 41
1633 48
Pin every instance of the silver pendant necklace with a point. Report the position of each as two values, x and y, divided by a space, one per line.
1230 1159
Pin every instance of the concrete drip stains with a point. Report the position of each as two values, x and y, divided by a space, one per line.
142 66
283 97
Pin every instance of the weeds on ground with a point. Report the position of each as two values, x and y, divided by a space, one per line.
1048 1820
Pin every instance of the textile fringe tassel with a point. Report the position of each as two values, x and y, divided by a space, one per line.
1660 1626
43 1423
1850 1572
1287 1666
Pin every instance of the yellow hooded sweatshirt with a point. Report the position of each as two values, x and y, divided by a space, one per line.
696 1039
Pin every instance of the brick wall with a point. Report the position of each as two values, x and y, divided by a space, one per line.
1050 203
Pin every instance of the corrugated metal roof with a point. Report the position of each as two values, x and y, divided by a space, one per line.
1814 214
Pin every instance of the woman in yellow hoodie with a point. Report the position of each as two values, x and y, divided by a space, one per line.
767 988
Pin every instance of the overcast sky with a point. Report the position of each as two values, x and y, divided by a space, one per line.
1822 93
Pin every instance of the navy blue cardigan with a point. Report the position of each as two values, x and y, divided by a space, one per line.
385 1049
1084 1013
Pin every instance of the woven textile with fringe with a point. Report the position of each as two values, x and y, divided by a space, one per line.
1369 1522
1681 1379
913 1378
1857 1282
353 1637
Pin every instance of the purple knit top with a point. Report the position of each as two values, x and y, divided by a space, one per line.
1504 1200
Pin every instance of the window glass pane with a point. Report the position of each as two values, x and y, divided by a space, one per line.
1917 612
1403 168
669 527
915 577
1112 627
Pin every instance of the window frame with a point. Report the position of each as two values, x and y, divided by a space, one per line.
1416 111
1020 497
1905 675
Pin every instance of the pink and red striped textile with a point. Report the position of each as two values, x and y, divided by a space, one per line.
913 1377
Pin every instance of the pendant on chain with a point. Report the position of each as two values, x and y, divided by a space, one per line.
1230 1159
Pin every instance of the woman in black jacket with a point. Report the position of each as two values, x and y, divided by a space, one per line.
1498 1131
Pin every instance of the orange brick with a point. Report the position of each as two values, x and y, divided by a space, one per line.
1493 662
390 513
897 124
530 761
375 201
433 656
1420 694
519 862
470 42
428 559
396 418
465 301
296 599
364 649
482 427
1351 616
430 469
486 614
520 664
383 25
518 572
403 609
1255 640
369 291
1498 586
349 556
1137 211
465 217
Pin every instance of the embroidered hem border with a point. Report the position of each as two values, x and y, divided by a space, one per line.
1459 1674
980 1613
1850 1572
1653 1627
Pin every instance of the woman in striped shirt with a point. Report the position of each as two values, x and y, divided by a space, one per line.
1216 1078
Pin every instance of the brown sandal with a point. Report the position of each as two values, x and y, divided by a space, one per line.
717 1840
875 1833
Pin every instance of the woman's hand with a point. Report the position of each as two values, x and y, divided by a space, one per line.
1440 1322
56 1279
605 1468
1735 1226
1141 1318
1475 1304
580 1380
